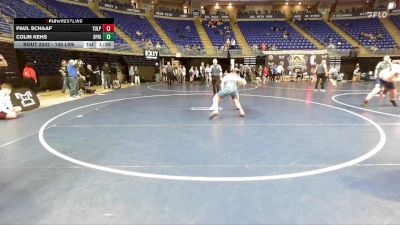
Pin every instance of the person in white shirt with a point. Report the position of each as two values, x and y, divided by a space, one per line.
208 75
132 75
191 74
279 71
333 75
7 110
233 43
229 87
182 72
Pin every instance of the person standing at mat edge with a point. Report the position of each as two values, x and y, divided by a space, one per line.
7 111
321 71
29 77
216 74
73 78
107 76
229 88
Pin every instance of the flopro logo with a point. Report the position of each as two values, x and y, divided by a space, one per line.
380 15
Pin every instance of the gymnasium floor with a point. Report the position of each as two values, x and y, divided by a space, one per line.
150 155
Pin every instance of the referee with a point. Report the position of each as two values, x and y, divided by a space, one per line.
216 74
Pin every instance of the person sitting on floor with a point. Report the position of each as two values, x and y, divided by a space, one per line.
7 110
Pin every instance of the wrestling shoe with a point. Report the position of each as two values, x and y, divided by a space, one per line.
365 103
393 103
213 114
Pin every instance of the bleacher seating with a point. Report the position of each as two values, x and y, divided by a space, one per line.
66 10
216 37
132 23
396 20
175 29
373 26
255 32
324 33
23 9
5 27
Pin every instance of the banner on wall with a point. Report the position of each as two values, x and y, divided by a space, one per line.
167 14
291 62
120 8
81 1
215 17
307 16
24 98
196 12
261 16
372 14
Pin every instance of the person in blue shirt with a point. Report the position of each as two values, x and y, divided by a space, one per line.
73 77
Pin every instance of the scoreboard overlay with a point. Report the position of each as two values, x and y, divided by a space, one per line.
45 33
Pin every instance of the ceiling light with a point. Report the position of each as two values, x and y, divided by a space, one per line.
299 3
287 3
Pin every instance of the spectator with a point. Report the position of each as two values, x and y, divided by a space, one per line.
279 72
73 78
158 46
90 77
191 74
7 110
97 74
263 46
137 75
208 75
82 75
196 73
374 48
3 62
106 71
357 73
183 73
131 75
265 74
170 73
227 42
157 72
233 43
29 76
255 47
64 74
138 33
187 28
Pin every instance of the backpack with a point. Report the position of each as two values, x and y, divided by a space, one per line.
116 84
